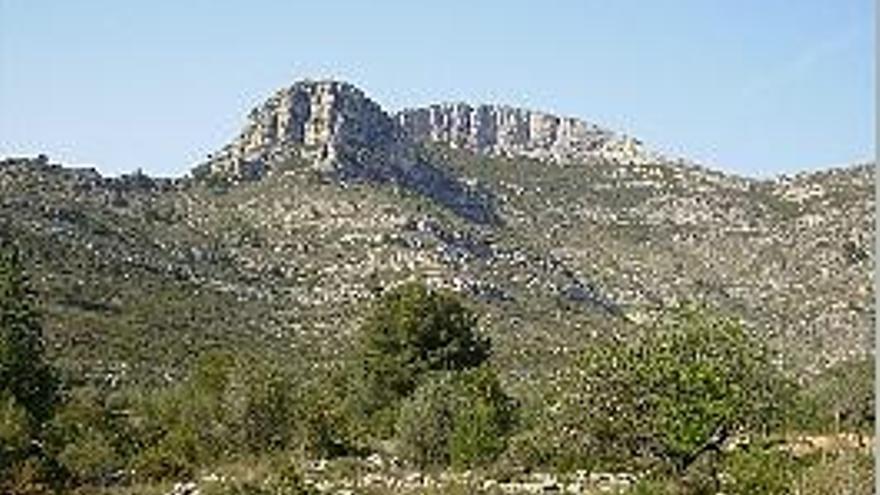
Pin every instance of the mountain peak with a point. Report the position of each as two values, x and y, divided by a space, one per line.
326 122
333 124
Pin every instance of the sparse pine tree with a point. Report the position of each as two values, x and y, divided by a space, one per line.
28 386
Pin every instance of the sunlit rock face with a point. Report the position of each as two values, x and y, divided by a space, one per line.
333 125
330 124
507 131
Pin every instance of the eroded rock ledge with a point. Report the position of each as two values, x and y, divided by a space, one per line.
507 131
334 125
328 123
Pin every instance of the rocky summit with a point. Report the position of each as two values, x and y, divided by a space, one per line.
556 229
333 124
327 123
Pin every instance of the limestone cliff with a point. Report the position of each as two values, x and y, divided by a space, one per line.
507 131
335 126
329 123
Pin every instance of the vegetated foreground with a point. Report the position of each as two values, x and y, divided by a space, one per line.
450 299
687 404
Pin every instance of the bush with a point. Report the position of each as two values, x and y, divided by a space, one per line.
29 475
14 427
462 419
92 458
324 430
425 424
194 423
650 486
228 407
276 485
484 417
90 435
842 397
411 330
759 471
668 395
177 454
844 472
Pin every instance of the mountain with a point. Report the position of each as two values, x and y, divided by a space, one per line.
334 125
556 229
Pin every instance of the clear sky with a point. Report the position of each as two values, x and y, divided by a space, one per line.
755 87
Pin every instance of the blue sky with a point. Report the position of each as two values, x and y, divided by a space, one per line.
755 87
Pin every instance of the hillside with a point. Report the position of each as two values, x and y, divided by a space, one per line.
558 230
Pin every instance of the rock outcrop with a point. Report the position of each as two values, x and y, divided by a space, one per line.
330 124
507 131
334 126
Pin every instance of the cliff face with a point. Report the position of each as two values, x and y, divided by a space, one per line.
335 126
328 123
507 131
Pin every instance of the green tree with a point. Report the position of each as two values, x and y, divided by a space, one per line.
28 386
672 393
410 331
24 372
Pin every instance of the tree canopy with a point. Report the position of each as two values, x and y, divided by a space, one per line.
28 386
411 330
680 388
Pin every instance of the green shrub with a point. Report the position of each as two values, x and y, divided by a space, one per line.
484 417
530 448
279 476
410 331
286 479
258 487
324 433
176 455
846 472
28 385
668 395
653 486
29 475
462 419
187 425
842 397
14 427
91 458
90 435
425 424
228 407
759 471
268 419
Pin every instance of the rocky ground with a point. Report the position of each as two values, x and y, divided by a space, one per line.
379 475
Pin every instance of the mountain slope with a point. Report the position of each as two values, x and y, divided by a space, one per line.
556 229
